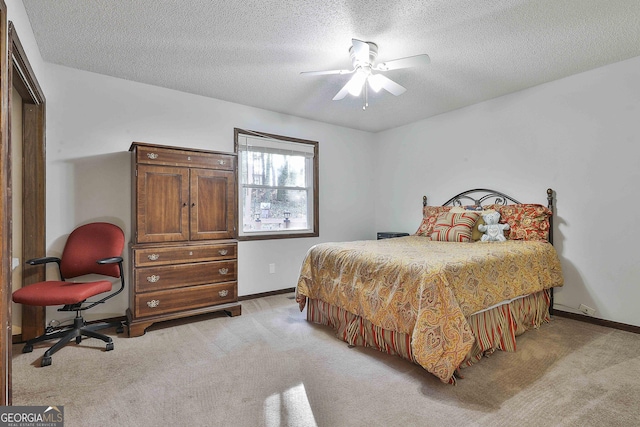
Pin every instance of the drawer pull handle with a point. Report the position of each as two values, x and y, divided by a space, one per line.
223 293
153 278
152 156
221 162
153 257
223 251
223 271
153 303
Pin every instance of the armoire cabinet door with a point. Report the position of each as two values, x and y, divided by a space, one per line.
212 204
162 204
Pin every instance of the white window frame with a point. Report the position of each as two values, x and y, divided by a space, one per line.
248 140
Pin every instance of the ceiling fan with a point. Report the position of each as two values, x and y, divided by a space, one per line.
363 55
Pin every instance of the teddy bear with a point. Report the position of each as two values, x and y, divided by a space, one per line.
492 229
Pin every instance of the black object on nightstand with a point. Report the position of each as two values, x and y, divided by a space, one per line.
390 234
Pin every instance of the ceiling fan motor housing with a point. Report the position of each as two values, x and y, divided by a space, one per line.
357 62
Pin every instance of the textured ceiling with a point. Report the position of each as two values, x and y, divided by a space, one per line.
252 52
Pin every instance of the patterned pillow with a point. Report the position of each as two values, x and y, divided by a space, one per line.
475 233
429 215
527 221
454 227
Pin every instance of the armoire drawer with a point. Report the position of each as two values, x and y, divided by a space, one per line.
163 302
190 159
177 276
184 254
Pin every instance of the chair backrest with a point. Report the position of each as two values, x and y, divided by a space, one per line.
89 243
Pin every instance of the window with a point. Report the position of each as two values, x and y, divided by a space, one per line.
277 186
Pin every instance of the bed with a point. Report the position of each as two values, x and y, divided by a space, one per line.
442 297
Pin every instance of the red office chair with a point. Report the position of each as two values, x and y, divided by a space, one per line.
90 249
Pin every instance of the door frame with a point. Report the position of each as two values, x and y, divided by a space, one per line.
15 71
33 236
5 217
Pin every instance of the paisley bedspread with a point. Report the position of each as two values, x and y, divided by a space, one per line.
425 288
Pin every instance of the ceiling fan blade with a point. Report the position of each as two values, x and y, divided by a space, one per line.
322 73
360 50
390 86
343 92
410 61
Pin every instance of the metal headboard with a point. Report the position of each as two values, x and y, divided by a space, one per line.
480 196
483 195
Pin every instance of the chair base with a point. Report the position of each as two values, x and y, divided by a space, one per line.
79 329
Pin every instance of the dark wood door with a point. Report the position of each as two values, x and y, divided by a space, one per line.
162 205
212 204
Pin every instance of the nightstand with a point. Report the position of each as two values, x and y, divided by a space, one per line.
390 234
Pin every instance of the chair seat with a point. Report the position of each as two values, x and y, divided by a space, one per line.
59 292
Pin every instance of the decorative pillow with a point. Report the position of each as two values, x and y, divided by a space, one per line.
475 233
429 215
527 221
454 227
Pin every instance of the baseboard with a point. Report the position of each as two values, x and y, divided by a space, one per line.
596 321
109 320
266 294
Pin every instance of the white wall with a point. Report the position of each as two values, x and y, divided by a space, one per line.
92 120
579 135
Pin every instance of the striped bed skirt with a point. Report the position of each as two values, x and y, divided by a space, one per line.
494 329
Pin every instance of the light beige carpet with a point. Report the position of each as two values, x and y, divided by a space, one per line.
270 367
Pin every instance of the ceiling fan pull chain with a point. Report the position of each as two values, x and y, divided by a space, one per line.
366 96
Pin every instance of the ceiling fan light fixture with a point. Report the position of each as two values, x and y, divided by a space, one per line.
375 82
357 82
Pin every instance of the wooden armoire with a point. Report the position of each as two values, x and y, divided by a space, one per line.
183 249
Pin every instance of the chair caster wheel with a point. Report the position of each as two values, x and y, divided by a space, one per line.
109 346
46 361
120 329
27 349
78 339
